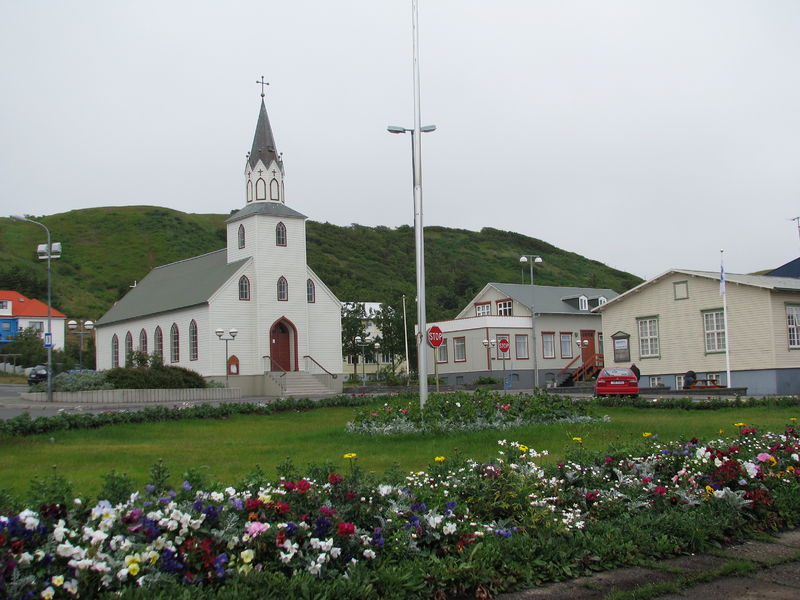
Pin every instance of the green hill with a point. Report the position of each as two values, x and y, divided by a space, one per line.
106 249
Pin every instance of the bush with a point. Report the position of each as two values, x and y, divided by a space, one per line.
158 377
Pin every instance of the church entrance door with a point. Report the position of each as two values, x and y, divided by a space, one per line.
280 347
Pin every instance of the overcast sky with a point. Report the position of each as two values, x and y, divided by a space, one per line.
646 135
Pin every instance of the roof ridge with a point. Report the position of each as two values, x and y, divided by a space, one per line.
190 258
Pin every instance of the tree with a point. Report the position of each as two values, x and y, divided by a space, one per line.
354 321
28 344
390 321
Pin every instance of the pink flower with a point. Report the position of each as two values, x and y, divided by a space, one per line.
255 528
764 457
660 490
609 460
404 410
374 414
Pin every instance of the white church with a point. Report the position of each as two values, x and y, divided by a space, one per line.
287 323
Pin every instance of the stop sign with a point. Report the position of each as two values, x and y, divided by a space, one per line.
435 337
504 345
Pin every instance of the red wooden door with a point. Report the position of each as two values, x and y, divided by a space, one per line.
279 348
587 347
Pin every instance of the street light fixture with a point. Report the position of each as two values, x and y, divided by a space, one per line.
493 344
531 259
82 329
49 252
231 336
364 342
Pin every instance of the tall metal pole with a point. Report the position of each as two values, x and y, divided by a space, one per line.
405 336
416 141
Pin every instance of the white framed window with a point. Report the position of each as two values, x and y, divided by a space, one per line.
459 349
241 236
261 189
793 324
714 329
678 382
680 290
482 310
36 326
648 337
601 300
174 344
548 345
583 303
441 352
274 193
566 345
128 347
115 351
158 343
244 288
193 344
280 234
713 378
655 381
249 191
504 308
283 289
311 292
521 346
143 341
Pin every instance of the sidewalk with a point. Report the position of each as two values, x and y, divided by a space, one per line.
753 570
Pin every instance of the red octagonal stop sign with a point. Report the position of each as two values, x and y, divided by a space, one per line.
504 345
435 336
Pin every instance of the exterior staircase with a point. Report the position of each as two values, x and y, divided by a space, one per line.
301 384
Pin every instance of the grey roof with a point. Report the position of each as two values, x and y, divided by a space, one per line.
551 299
791 284
177 285
269 208
263 142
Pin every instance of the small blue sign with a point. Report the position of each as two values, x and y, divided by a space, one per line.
48 340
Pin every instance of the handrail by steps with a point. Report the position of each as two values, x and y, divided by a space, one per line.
333 375
280 368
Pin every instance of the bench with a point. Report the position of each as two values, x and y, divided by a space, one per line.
700 384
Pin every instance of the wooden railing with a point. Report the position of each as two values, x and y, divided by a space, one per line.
312 359
595 362
275 363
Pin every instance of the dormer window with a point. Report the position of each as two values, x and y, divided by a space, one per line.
583 303
241 236
601 300
280 235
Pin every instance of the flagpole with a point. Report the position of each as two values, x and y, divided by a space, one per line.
724 294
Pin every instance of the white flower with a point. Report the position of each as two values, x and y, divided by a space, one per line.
216 496
25 558
385 490
369 553
48 593
230 491
335 552
28 517
122 574
449 528
314 568
752 470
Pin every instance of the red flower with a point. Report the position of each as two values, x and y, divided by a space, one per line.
646 480
660 490
346 529
327 512
335 479
253 504
303 486
289 485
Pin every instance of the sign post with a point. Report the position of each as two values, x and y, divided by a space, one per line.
435 339
504 346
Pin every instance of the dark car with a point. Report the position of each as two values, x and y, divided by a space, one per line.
617 380
37 374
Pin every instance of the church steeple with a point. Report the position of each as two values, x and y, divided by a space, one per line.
264 168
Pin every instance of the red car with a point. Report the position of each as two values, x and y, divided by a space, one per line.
620 381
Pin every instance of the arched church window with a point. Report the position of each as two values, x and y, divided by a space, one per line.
115 351
143 341
280 235
311 293
249 191
283 289
158 343
174 344
244 288
261 189
241 236
274 190
193 340
128 348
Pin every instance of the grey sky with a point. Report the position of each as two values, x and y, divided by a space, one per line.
646 135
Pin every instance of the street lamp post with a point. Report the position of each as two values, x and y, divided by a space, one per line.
82 329
231 336
363 343
416 157
491 344
48 252
533 258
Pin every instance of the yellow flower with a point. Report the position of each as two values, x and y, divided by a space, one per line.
48 593
247 556
350 455
439 459
523 448
57 580
709 490
134 569
578 439
773 461
790 469
793 418
647 434
739 424
721 431
131 559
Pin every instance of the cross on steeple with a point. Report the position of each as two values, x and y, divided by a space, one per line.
262 83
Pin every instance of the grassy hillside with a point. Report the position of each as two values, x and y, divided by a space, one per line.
106 249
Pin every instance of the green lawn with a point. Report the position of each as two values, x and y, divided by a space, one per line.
229 448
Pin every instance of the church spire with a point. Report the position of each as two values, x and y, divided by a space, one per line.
263 141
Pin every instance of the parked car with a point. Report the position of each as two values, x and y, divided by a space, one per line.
619 381
37 374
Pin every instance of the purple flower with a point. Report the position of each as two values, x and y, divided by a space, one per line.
149 488
187 486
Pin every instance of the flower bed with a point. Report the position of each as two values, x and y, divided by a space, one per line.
463 411
461 527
